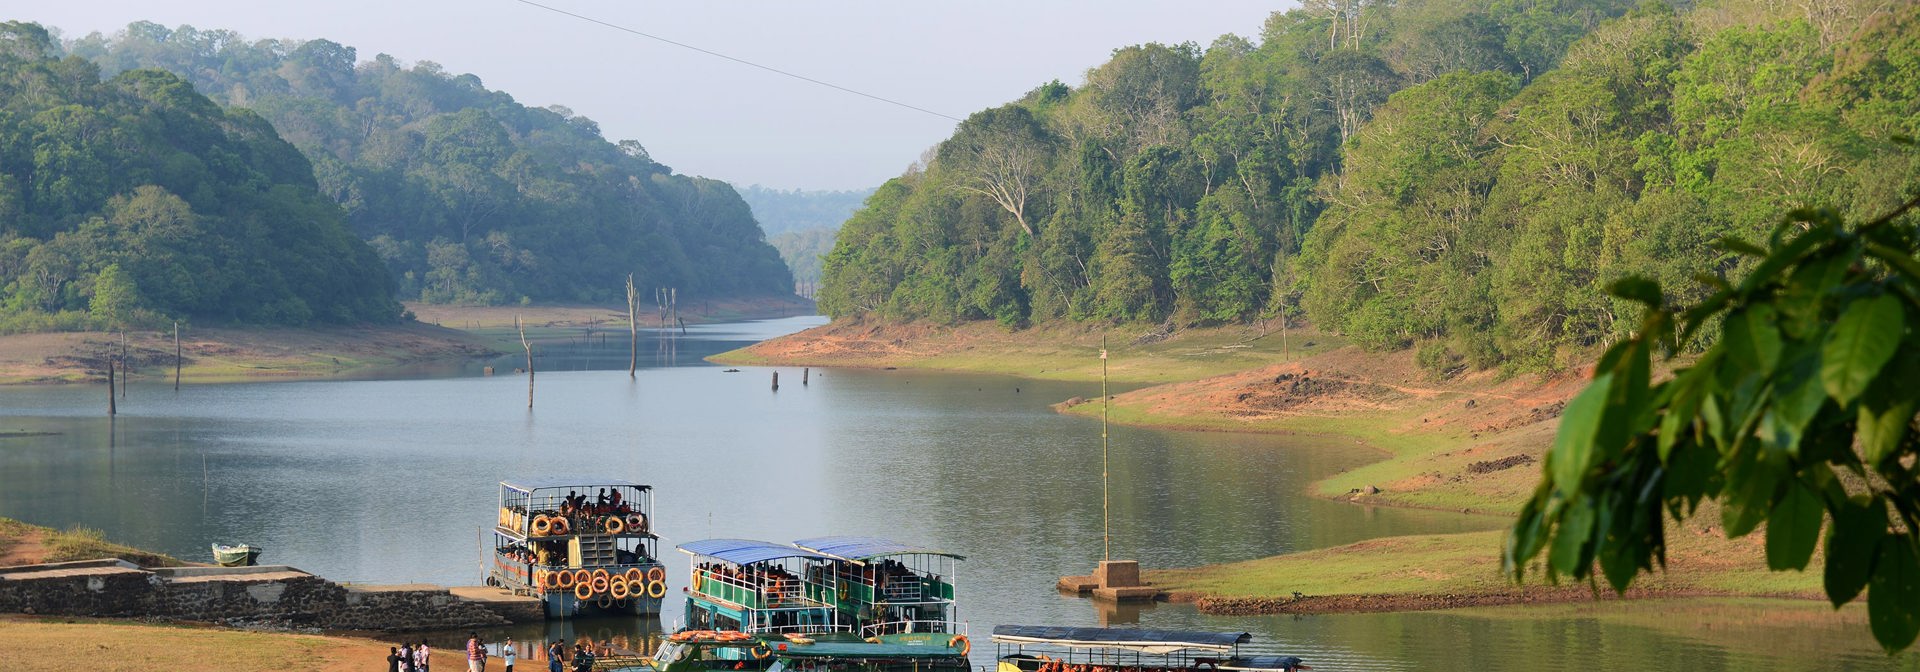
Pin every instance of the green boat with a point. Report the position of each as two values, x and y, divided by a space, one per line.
730 651
866 586
236 556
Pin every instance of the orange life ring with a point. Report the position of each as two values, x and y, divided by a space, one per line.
617 587
699 578
582 591
562 579
634 575
542 526
966 645
657 589
656 573
553 580
560 525
604 603
774 591
615 525
600 581
581 576
760 652
637 522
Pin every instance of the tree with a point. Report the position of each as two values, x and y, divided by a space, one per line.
1001 154
1798 413
115 298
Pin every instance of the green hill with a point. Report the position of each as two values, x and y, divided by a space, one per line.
133 197
1461 177
466 194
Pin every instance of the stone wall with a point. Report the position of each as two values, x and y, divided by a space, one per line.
272 596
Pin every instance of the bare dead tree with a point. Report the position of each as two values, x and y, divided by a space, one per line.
176 355
633 328
112 409
529 347
1005 169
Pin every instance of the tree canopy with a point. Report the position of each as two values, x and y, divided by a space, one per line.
132 197
1462 178
466 194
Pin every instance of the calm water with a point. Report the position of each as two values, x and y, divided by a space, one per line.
389 481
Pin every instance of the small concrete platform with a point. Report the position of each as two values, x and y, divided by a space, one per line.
1078 585
1114 580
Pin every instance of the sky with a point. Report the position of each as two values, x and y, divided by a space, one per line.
707 116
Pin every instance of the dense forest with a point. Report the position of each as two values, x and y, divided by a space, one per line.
801 224
1461 177
467 195
132 198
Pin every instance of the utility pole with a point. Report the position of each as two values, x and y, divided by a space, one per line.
176 355
1106 540
633 329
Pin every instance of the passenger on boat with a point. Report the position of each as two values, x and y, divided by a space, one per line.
614 498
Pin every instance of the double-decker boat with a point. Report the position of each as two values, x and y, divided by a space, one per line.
1040 648
583 546
866 586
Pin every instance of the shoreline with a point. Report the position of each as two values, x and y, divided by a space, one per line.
1470 443
212 355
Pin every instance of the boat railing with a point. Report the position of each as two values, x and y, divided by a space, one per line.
920 625
804 629
756 593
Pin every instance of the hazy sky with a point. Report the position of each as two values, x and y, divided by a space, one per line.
706 116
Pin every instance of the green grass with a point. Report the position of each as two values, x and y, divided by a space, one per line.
77 543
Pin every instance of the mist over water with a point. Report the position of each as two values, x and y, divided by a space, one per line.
395 481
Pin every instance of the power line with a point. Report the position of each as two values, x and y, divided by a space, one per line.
741 61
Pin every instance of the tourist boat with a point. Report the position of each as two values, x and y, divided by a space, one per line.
730 650
598 558
1038 648
866 586
236 556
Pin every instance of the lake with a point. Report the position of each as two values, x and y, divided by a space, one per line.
385 480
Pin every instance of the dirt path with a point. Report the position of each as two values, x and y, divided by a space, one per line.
24 549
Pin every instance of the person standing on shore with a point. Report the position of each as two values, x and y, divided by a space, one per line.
393 659
476 657
555 652
406 657
508 653
422 657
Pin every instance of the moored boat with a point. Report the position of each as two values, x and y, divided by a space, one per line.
240 555
580 553
867 586
731 650
1039 648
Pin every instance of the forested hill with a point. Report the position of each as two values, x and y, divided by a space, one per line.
800 224
1463 177
466 194
133 199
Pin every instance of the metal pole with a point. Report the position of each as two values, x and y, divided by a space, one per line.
1106 540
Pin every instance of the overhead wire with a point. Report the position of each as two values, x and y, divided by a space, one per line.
742 61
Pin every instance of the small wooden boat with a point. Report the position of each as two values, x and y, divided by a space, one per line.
236 556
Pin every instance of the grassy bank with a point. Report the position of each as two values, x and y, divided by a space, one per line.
1469 442
49 645
24 544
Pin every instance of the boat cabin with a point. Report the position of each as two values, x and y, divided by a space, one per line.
885 586
1037 648
757 587
698 651
583 545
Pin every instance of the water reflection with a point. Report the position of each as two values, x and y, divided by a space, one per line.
392 481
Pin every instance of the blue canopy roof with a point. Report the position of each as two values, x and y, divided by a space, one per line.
746 551
861 549
1119 637
570 482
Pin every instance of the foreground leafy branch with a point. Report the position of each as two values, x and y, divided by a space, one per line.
1798 415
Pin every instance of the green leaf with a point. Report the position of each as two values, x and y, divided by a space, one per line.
1638 289
1797 397
1573 445
1858 525
1883 426
1893 596
1733 244
1753 340
1793 529
1752 482
1860 343
1567 555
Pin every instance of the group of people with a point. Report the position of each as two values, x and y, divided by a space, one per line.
759 578
581 661
409 657
609 502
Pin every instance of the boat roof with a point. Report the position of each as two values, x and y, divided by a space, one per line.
861 549
1147 641
1263 663
553 482
827 649
746 551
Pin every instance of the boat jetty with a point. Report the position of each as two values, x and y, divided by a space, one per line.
582 546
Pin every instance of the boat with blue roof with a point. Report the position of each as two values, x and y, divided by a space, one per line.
868 586
583 546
